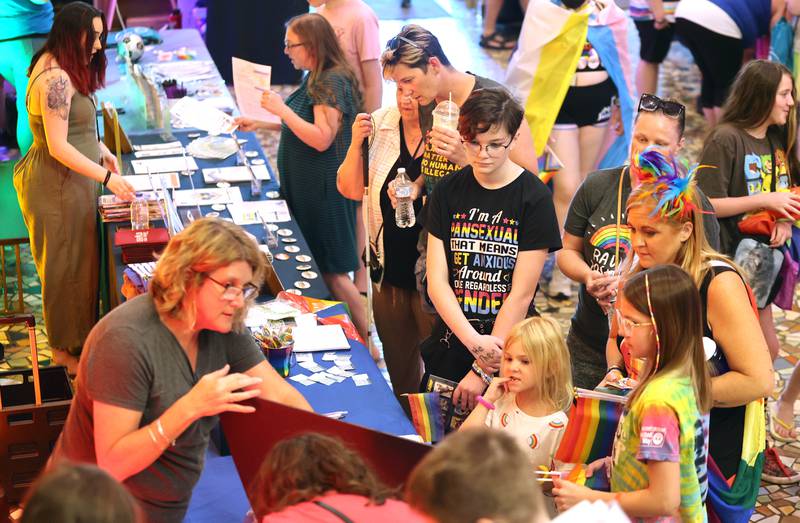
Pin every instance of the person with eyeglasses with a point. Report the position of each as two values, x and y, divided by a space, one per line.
597 238
665 218
490 227
316 121
158 369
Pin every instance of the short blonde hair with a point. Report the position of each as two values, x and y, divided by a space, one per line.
203 247
543 342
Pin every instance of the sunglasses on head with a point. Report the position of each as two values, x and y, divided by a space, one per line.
398 40
651 103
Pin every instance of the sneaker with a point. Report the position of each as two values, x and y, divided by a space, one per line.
560 287
776 471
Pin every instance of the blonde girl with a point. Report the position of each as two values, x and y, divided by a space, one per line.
533 390
658 466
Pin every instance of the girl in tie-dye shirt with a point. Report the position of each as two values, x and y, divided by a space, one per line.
658 466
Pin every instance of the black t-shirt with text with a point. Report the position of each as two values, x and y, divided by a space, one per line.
483 231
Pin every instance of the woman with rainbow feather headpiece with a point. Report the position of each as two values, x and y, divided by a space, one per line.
666 226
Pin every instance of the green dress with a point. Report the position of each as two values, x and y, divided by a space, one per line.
59 207
308 177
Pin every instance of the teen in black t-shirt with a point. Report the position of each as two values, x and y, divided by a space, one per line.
491 226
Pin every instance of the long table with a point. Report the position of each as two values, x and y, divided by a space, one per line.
219 495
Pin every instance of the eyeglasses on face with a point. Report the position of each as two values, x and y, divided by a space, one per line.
626 326
289 46
231 291
493 150
651 103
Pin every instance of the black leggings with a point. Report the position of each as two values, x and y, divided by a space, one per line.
719 58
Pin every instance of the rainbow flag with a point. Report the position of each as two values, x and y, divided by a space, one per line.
426 415
734 503
544 63
593 421
549 164
597 481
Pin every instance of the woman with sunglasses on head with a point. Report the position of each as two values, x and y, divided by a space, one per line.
158 369
399 318
753 165
658 464
666 226
59 178
315 132
596 237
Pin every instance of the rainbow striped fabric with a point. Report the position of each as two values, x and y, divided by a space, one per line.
735 503
592 425
426 416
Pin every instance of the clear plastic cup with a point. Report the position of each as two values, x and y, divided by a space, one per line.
446 115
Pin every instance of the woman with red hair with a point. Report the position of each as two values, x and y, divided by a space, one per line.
57 181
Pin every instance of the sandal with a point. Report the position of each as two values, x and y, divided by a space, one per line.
497 41
773 419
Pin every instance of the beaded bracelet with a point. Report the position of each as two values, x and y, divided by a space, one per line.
481 374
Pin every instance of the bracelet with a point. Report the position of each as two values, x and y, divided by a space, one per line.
160 429
152 436
616 368
481 374
486 403
108 177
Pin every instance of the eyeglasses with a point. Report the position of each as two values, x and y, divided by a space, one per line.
651 103
231 291
493 150
626 326
288 46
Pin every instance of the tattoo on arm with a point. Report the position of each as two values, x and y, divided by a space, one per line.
57 97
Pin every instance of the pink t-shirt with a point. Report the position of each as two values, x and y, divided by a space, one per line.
356 27
357 508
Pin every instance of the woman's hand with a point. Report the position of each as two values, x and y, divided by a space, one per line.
217 392
568 494
248 125
787 204
468 388
496 389
488 350
362 129
120 187
599 465
780 234
415 193
272 102
602 287
447 142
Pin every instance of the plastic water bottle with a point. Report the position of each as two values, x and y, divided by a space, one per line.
140 214
404 212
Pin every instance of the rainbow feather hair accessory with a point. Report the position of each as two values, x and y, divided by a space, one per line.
666 180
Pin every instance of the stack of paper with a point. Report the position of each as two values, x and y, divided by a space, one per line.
319 338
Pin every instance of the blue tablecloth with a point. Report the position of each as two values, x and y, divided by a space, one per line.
219 496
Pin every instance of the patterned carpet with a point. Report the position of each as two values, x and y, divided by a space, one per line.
679 79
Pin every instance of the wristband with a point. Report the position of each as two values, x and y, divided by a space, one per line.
108 177
481 374
614 367
486 403
152 435
160 429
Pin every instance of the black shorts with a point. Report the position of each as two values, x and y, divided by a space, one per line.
587 105
654 42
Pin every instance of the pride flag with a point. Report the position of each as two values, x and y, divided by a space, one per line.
426 415
543 65
597 481
734 503
593 421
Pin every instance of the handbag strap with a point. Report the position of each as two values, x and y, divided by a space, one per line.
773 183
333 511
